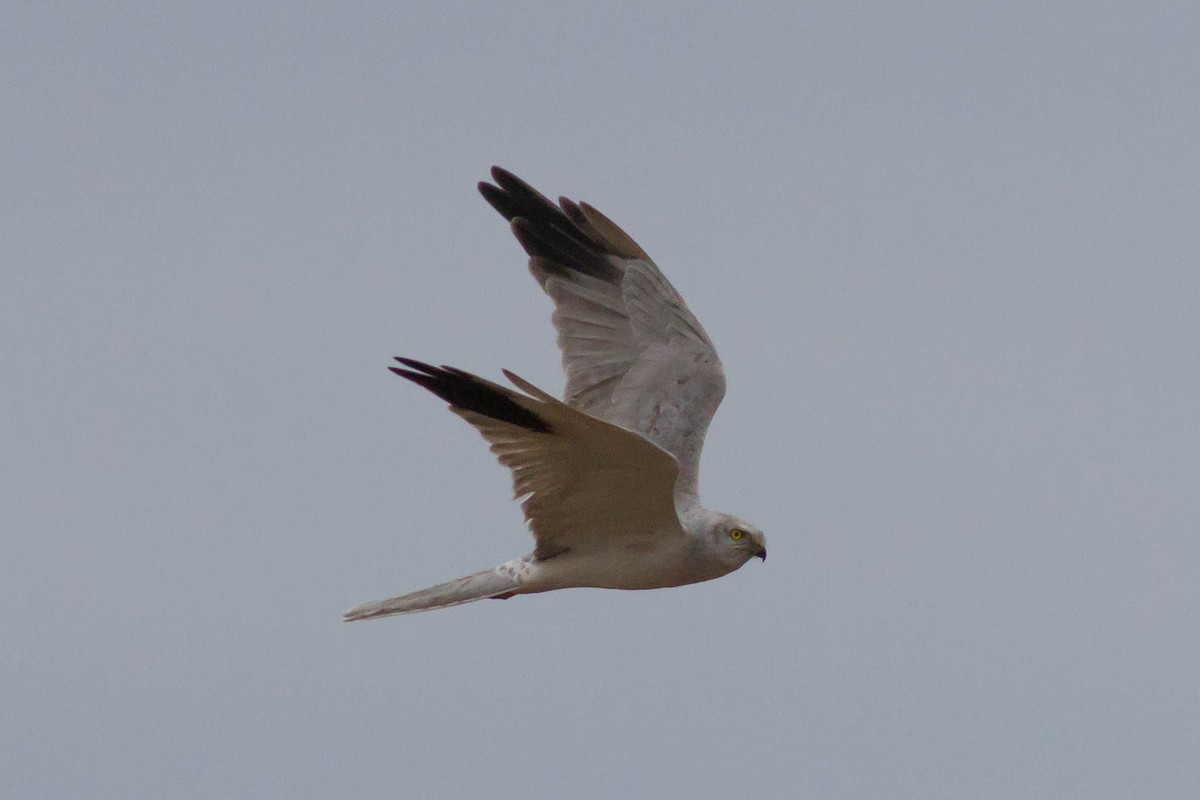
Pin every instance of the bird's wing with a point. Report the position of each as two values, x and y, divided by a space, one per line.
586 482
633 353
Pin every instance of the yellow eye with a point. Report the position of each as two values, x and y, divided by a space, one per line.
736 533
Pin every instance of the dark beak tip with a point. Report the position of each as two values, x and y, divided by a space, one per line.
762 554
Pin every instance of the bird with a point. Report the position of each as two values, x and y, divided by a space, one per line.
608 476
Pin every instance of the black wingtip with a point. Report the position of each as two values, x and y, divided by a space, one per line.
523 231
412 363
502 176
462 390
498 199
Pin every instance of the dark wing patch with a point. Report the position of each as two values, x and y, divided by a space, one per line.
466 391
565 237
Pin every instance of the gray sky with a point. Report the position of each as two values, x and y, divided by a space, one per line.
950 254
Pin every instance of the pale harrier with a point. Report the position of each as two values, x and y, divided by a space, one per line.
609 474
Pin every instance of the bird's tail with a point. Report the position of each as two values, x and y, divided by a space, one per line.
499 581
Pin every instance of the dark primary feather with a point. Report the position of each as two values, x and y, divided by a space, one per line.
464 390
562 236
551 244
513 198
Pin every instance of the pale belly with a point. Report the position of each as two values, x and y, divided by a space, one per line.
628 567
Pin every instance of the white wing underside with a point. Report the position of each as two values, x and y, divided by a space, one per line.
635 356
633 353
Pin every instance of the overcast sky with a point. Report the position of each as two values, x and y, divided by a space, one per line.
949 253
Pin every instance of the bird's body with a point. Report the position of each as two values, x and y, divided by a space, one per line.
639 562
610 473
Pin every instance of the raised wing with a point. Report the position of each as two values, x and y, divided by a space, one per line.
633 353
586 482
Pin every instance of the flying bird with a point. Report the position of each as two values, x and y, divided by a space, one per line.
608 474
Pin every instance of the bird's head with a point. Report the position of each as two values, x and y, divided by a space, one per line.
736 540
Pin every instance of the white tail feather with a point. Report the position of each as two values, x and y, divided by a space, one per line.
493 582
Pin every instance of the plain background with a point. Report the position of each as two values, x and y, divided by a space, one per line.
948 252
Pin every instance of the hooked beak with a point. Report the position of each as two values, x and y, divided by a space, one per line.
762 553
